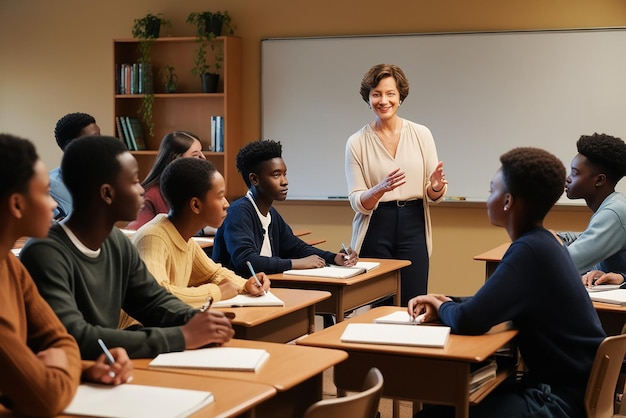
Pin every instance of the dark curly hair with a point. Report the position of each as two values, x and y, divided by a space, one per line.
69 127
378 72
89 162
19 157
535 176
606 153
185 178
254 153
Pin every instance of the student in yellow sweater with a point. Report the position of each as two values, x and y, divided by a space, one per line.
40 365
195 192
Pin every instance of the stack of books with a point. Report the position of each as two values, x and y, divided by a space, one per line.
130 131
481 374
217 134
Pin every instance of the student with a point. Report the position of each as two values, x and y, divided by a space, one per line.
595 170
68 128
254 231
195 192
88 270
40 361
558 338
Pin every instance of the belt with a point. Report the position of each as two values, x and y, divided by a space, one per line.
401 203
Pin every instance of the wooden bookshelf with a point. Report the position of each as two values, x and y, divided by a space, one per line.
188 109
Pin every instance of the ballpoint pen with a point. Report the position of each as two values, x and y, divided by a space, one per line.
258 282
207 304
345 250
108 355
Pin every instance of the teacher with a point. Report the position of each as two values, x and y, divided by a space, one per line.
393 174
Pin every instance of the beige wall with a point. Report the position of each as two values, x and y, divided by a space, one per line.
56 58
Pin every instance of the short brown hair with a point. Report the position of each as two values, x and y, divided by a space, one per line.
380 71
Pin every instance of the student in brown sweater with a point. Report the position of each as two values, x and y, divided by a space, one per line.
40 365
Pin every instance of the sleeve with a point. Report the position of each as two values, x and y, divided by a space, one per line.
142 298
603 237
27 385
568 237
292 246
355 175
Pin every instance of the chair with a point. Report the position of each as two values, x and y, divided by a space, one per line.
607 365
359 405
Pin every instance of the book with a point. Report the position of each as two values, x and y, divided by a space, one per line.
214 358
482 373
268 299
616 296
393 334
213 142
136 401
133 143
126 132
336 272
398 317
603 287
137 133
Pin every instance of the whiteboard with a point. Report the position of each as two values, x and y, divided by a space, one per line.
480 94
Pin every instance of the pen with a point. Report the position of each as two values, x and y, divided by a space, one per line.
255 278
108 355
345 250
207 304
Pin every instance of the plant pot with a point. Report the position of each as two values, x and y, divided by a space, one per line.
209 82
170 87
214 25
153 29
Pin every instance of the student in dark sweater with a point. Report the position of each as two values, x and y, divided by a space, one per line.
538 288
254 231
88 270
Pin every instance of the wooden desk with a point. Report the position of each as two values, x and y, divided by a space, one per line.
438 375
232 398
492 258
347 294
278 324
300 232
295 372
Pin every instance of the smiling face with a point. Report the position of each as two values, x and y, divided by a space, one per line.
582 179
195 151
214 204
271 179
384 99
38 204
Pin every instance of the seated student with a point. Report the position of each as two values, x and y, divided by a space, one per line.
254 231
194 190
68 128
173 145
557 339
595 170
87 270
40 361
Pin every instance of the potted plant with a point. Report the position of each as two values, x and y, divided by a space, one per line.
169 78
209 25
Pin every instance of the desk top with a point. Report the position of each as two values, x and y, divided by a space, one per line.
494 254
472 348
287 366
386 266
232 398
294 299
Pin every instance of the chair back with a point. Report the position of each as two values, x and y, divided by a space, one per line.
607 365
363 404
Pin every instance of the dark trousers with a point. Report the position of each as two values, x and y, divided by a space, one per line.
399 232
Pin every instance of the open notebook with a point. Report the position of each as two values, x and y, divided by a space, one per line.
427 336
616 297
215 358
335 272
132 401
268 299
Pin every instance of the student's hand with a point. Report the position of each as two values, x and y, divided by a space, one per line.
348 260
53 357
428 305
209 327
119 372
596 277
310 262
253 288
228 289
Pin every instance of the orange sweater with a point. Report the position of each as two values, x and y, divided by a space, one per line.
27 326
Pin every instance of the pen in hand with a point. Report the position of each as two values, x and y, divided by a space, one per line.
345 250
258 282
108 356
207 304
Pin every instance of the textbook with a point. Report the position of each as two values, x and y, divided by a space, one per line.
616 296
393 334
214 358
335 272
241 300
131 401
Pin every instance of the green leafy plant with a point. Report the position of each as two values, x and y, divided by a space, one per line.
209 25
169 78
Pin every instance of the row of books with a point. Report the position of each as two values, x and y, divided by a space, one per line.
217 134
130 131
135 78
